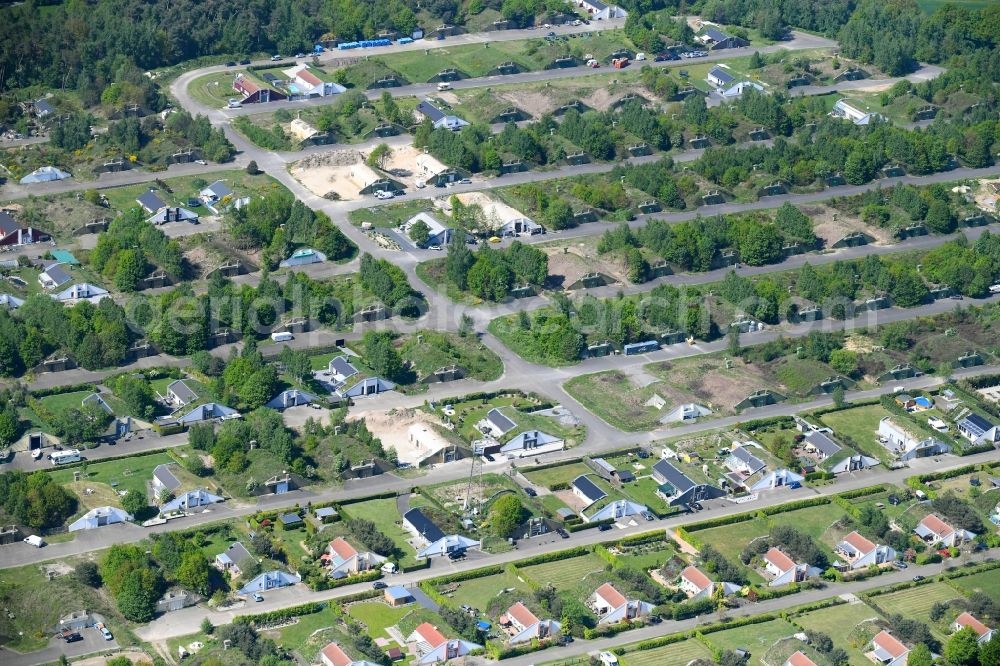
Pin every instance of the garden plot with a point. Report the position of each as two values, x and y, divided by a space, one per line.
570 261
415 435
581 574
617 399
916 602
338 173
831 225
987 582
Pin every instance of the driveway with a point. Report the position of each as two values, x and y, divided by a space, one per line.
92 643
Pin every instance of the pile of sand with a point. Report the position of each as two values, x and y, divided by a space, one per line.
408 164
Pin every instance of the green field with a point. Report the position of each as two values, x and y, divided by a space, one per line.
567 574
756 638
390 215
185 187
678 654
730 539
839 622
377 616
613 397
987 582
386 517
478 591
558 474
213 90
916 602
122 474
859 425
929 6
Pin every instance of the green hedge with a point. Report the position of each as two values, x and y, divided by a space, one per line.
491 570
579 527
137 454
607 630
654 643
330 583
59 390
862 492
757 424
554 557
282 614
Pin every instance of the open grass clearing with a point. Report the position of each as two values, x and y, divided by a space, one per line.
987 582
839 622
478 591
858 426
617 400
757 638
569 574
559 474
916 602
384 514
377 616
121 475
677 654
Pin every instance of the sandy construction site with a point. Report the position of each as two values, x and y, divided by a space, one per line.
410 432
496 213
344 173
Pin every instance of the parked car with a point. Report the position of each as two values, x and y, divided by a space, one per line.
231 63
434 247
563 533
899 564
995 288
603 527
104 631
72 637
530 492
245 61
257 596
466 181
275 58
917 578
300 55
378 585
456 554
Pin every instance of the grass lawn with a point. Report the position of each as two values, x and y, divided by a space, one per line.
478 591
614 398
916 602
377 616
383 513
559 474
644 491
32 605
566 574
930 6
213 90
801 374
730 539
429 351
185 187
858 426
838 622
987 582
756 638
62 402
123 474
391 215
296 635
678 654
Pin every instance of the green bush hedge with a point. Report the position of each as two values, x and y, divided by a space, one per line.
281 614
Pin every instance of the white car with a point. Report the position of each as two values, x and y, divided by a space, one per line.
275 58
36 454
995 289
384 194
434 247
201 162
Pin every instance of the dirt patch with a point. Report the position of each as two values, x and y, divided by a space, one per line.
831 225
93 495
859 343
571 500
136 657
533 102
413 434
987 195
571 262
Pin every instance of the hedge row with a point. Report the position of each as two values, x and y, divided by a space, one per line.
654 643
328 583
757 424
608 630
136 454
491 570
554 557
751 515
281 614
59 390
579 527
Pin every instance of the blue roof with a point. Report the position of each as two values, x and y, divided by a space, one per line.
677 479
435 114
290 518
397 592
